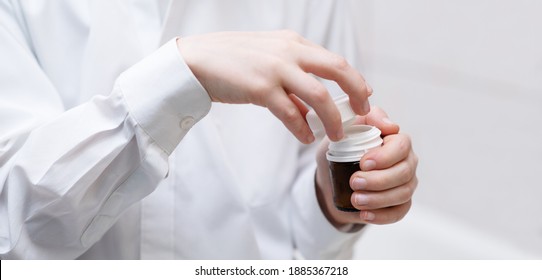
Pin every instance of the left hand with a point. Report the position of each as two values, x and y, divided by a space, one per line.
275 69
384 187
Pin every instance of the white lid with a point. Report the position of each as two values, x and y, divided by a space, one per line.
347 116
357 141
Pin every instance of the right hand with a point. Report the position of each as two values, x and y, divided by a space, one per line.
388 178
271 69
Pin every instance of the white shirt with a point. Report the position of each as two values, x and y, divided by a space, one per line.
104 157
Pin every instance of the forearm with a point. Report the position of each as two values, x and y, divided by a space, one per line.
67 183
66 179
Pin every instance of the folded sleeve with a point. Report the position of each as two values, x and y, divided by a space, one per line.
67 175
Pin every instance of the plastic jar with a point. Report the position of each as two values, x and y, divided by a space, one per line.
344 155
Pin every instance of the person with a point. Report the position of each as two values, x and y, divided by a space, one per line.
119 140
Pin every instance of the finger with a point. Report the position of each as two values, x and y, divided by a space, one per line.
331 66
285 110
378 117
388 215
364 200
379 180
310 90
396 148
312 44
299 104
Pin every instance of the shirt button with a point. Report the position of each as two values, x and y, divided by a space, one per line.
187 122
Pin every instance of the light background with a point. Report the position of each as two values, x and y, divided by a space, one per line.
464 79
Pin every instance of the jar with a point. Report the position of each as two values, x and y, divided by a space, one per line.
344 155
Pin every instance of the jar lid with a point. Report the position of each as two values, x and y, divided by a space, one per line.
347 116
357 141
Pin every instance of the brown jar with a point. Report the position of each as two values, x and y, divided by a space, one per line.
344 157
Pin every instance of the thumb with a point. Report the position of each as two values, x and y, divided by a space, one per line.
378 117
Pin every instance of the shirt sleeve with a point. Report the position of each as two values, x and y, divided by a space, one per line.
164 97
67 175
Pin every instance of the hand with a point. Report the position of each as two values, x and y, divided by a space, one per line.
271 69
384 187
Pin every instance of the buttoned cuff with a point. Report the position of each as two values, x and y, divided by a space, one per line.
163 96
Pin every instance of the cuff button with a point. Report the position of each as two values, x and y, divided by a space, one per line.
187 122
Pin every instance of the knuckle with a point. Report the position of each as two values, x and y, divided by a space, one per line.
406 193
401 146
289 115
259 90
407 190
406 142
288 48
413 185
261 87
340 62
363 86
319 93
275 62
415 159
406 172
292 35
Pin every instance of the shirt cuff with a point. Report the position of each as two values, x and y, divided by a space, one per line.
163 96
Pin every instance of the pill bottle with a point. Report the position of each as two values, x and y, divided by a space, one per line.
344 155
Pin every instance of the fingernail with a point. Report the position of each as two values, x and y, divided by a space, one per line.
367 216
387 120
368 165
361 199
340 134
310 138
369 89
366 107
359 183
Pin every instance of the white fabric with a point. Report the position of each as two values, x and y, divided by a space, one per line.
105 157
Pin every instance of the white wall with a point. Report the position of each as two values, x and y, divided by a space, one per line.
464 79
